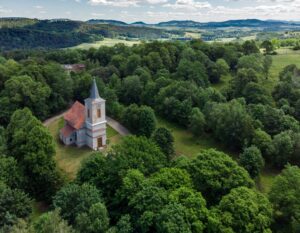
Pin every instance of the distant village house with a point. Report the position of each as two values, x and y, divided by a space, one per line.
74 67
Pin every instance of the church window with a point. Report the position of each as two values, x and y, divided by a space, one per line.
99 113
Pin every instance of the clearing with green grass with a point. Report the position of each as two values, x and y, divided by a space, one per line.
69 158
285 57
187 144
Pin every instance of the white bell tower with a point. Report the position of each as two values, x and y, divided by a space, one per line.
95 119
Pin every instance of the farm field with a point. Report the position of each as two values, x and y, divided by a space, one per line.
69 158
106 42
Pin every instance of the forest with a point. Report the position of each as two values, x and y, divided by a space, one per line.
142 184
27 34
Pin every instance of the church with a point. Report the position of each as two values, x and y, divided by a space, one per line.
86 124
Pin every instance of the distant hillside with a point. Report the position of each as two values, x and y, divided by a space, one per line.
177 23
24 33
250 23
12 22
230 23
140 23
106 21
21 33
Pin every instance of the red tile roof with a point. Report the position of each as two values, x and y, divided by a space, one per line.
67 130
75 115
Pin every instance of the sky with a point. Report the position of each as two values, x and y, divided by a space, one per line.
153 11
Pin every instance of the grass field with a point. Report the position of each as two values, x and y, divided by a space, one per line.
69 158
106 42
194 35
284 57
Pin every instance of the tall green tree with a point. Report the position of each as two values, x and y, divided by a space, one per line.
14 204
268 46
230 123
94 221
249 46
33 147
23 91
267 63
252 160
214 174
10 172
74 200
131 90
140 120
284 196
51 222
165 140
197 122
244 211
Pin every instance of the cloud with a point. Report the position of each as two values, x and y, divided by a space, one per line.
4 11
188 5
205 13
156 1
120 3
38 7
97 14
125 3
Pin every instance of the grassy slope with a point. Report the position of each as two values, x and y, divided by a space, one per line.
285 57
187 144
69 158
106 42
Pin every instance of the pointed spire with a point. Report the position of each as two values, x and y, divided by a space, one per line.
94 91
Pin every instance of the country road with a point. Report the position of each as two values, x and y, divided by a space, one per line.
111 122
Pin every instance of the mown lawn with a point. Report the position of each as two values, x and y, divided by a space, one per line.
69 158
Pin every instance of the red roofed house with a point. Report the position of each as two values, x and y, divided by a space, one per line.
86 124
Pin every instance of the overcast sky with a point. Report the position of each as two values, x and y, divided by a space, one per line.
152 11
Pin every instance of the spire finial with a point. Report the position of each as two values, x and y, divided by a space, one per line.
94 91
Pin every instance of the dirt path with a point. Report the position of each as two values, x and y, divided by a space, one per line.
111 122
52 119
117 126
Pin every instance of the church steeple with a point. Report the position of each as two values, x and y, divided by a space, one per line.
95 119
94 93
